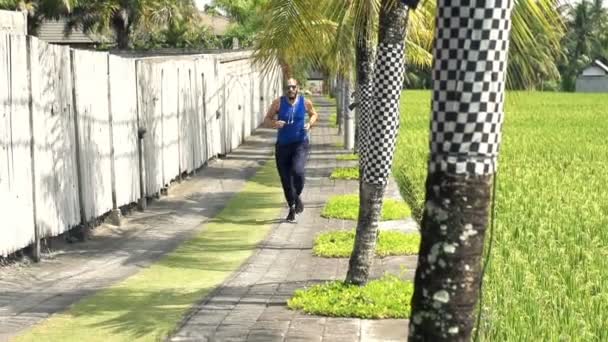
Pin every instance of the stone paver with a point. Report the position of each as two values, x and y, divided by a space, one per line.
251 305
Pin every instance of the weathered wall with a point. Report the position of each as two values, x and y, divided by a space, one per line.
123 99
69 122
56 173
13 22
592 84
16 190
90 75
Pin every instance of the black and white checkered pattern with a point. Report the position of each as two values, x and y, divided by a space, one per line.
365 112
384 124
471 46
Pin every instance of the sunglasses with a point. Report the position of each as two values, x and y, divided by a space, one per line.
292 87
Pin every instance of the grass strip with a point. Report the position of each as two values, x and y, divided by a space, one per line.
388 297
351 156
333 120
346 173
346 207
149 305
339 244
547 277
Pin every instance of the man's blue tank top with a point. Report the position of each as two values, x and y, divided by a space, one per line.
295 118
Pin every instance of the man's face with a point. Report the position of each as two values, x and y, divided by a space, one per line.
292 89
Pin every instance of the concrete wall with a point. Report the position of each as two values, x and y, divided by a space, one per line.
13 22
593 70
592 84
69 121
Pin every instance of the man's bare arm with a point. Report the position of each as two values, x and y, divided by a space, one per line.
269 120
312 113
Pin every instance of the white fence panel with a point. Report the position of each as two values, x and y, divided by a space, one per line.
13 22
256 101
124 126
210 102
170 121
85 103
150 117
234 120
246 107
17 203
198 83
189 124
234 104
93 130
56 173
217 112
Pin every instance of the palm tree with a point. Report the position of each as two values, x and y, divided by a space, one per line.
586 39
247 15
536 37
122 16
469 79
295 32
300 29
378 133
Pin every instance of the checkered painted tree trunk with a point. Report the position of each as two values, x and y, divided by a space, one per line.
379 136
471 47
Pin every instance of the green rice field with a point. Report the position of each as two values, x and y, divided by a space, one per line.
548 273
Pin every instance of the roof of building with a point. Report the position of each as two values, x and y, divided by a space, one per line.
601 65
53 31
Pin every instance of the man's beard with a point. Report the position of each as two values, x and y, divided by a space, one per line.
292 96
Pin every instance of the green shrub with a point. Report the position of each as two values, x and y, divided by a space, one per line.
348 173
351 156
388 297
332 120
339 244
347 207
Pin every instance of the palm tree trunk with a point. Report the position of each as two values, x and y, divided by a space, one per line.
341 102
364 55
382 135
471 48
122 31
349 123
346 92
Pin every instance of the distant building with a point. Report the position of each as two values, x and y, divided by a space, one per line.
316 81
593 79
54 32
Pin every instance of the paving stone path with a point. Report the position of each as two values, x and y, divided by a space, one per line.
69 272
251 306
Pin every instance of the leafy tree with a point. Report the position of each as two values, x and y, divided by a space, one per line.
247 15
122 17
585 41
179 31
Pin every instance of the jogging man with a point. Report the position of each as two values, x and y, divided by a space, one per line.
287 114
